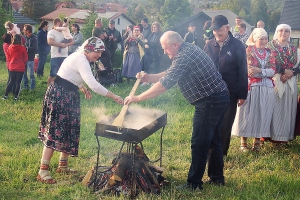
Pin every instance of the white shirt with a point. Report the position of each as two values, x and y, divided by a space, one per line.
58 37
76 69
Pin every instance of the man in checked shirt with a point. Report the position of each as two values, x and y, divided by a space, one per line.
202 86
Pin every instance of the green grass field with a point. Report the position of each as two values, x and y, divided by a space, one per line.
273 173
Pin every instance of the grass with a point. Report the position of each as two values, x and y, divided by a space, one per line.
273 173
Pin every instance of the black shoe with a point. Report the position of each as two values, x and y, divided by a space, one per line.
4 97
189 187
218 183
16 99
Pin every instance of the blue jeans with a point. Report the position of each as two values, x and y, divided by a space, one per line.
55 65
30 67
41 65
206 139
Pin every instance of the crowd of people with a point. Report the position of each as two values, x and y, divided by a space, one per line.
240 84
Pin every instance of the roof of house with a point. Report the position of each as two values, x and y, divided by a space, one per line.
62 11
65 3
114 7
16 5
209 14
81 15
290 14
20 19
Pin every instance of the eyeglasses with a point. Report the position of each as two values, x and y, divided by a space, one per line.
284 30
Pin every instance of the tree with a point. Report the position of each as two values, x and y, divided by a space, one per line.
5 15
174 11
259 11
86 30
35 9
136 13
274 19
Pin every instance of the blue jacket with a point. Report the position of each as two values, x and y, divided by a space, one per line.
42 44
231 63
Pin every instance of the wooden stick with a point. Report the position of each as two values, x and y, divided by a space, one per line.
120 118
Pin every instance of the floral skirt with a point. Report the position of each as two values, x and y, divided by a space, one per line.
60 121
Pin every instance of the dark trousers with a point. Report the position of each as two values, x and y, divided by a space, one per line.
227 123
41 64
15 79
206 139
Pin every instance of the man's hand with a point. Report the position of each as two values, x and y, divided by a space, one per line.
131 99
241 102
288 73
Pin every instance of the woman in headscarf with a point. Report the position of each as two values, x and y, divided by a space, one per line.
60 121
253 118
133 54
286 61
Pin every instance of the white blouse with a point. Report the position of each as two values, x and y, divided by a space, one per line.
76 69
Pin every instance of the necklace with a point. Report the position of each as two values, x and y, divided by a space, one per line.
260 53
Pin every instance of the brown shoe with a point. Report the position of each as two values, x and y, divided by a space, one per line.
46 179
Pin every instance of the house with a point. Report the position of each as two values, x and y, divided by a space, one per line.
21 20
16 5
290 15
80 15
200 18
65 4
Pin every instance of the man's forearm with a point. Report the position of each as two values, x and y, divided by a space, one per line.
153 78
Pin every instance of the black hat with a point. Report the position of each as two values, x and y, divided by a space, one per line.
145 19
112 22
192 24
218 21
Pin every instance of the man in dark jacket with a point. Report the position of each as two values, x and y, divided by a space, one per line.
31 46
113 38
43 47
229 56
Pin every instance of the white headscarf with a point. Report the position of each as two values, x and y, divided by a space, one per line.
255 35
281 26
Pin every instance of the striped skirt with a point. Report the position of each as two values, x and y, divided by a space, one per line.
253 118
284 117
60 121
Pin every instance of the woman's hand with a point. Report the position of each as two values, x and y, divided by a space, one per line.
118 99
284 78
288 73
86 92
253 71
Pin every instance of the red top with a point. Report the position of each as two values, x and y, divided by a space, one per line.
5 47
17 57
36 63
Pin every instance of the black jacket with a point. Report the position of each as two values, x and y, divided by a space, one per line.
31 46
113 45
231 63
191 38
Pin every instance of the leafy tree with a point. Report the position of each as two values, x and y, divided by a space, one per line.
259 11
5 15
136 12
86 30
174 11
274 20
35 9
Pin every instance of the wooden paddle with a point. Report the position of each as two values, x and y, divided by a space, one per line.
120 118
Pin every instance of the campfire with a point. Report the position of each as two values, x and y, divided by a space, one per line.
124 178
131 171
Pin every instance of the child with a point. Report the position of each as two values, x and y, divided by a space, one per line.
65 31
191 36
36 62
17 57
12 28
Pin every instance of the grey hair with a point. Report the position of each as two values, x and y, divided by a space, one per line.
171 37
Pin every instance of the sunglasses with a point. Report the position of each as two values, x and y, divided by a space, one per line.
284 30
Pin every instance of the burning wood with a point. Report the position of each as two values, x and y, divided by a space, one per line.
120 177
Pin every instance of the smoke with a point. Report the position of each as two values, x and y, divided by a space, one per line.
136 117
